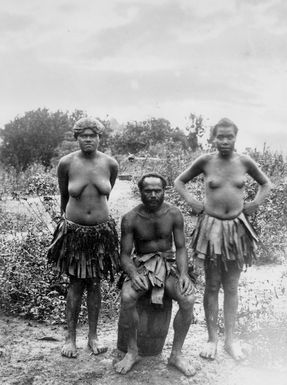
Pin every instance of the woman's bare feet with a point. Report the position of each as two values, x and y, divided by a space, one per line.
235 350
126 363
209 350
69 349
182 364
96 347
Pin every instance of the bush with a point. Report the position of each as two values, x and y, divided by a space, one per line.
26 281
35 180
32 289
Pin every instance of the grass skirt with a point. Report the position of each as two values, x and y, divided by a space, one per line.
224 239
85 251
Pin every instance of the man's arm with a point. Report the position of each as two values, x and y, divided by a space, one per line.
264 188
127 242
185 284
63 179
186 176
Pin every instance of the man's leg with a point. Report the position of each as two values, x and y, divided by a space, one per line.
94 306
181 326
230 279
73 306
129 298
210 302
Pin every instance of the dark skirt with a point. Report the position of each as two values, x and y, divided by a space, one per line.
226 240
85 251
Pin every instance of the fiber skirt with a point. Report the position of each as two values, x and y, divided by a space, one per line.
226 240
85 251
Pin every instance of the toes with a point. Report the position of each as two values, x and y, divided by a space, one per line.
96 349
207 356
99 351
120 369
69 353
190 371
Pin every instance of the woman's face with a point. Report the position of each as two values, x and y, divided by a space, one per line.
224 140
88 140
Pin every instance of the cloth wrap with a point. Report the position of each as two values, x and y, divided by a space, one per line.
227 239
156 267
85 251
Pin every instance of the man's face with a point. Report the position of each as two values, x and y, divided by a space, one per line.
152 193
224 140
88 140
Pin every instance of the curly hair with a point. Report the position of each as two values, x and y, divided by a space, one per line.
152 175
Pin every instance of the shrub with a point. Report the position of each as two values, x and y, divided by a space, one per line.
35 180
32 289
26 281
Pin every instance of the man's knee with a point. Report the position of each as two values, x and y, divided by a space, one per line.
186 302
128 296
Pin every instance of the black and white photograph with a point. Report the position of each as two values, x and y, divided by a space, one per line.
143 192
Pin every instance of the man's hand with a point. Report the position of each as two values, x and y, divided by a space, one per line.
186 287
139 282
250 207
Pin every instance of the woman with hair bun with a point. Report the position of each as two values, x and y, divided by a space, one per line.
85 243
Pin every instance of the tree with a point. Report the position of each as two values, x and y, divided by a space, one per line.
139 136
195 130
33 138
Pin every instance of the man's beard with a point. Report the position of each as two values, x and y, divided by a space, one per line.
151 203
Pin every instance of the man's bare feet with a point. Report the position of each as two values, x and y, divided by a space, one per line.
209 350
235 350
69 349
182 364
126 363
96 347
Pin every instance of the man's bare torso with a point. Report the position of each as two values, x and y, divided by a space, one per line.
152 231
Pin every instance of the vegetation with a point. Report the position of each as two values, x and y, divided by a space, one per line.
43 136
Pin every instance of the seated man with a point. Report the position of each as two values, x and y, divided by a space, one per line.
149 230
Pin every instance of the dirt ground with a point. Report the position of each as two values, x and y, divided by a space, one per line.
30 351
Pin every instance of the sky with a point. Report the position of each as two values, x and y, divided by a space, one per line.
137 59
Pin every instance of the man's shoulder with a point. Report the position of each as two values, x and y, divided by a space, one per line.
168 207
174 212
133 212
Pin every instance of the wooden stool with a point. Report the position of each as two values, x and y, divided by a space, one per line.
153 326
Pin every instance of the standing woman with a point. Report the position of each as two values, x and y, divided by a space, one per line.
85 243
223 241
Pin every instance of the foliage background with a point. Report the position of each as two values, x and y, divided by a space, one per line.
30 288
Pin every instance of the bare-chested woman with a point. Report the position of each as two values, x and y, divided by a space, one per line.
223 241
85 244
